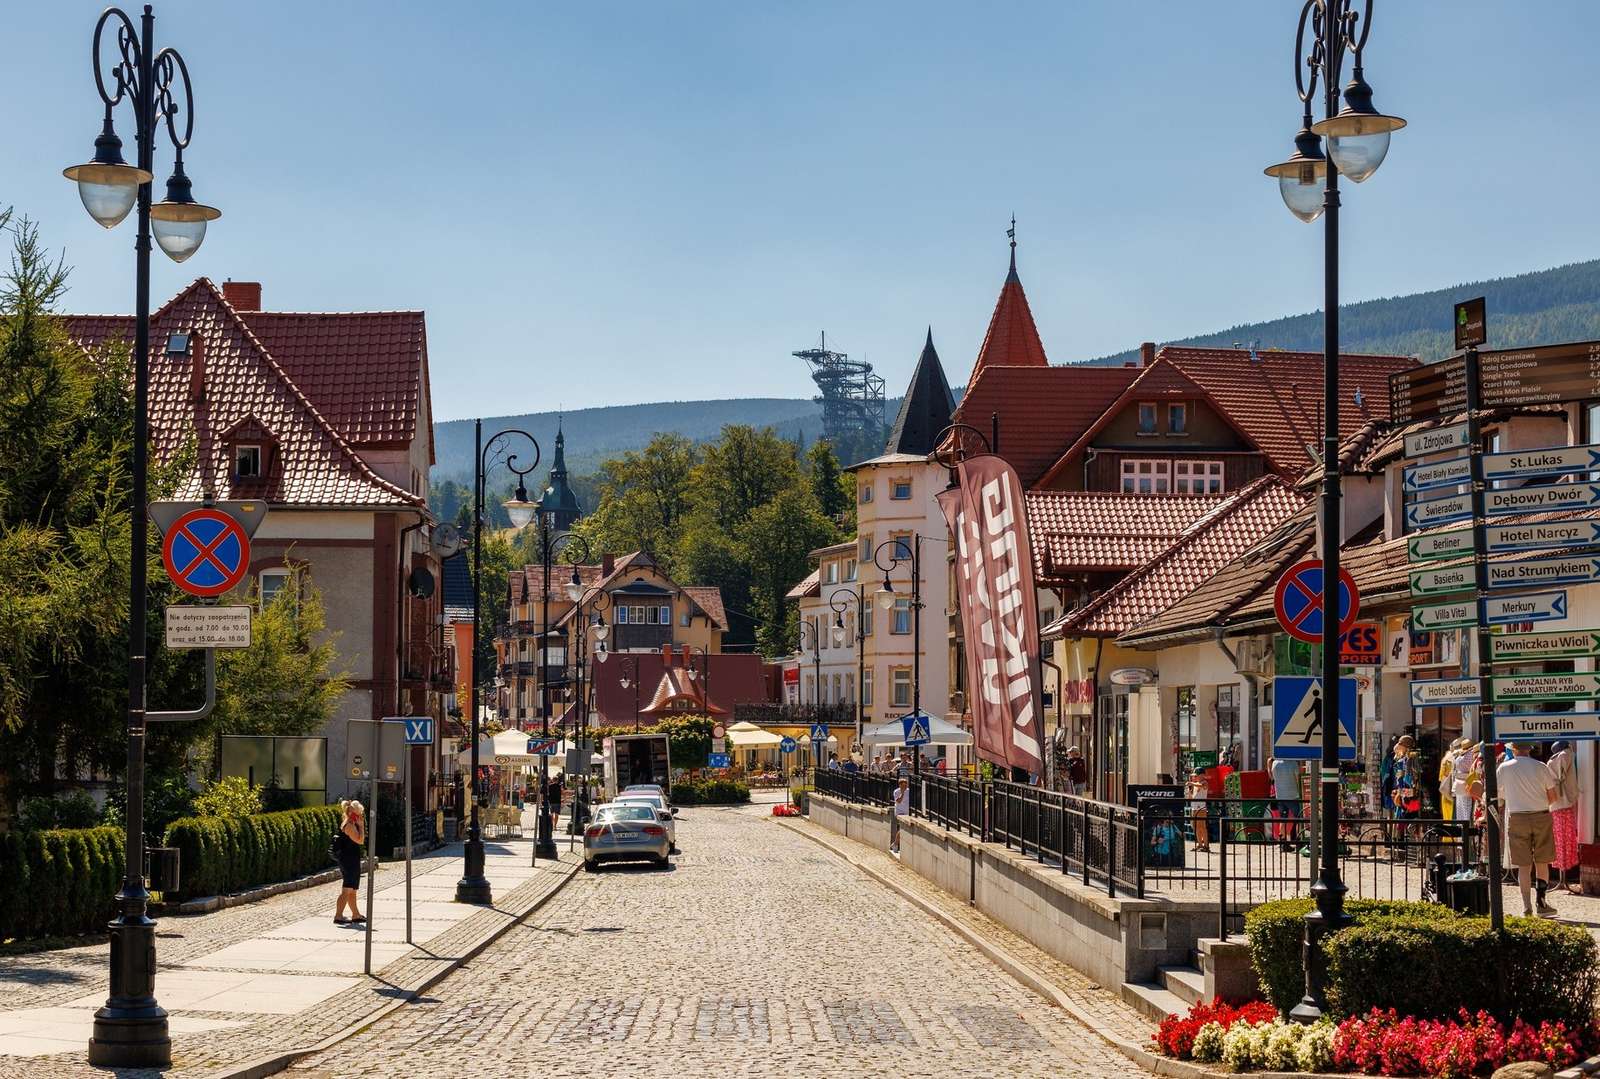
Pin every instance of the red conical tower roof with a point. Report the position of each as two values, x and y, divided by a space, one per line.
1013 339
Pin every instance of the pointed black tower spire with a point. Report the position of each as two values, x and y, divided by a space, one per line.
558 500
926 408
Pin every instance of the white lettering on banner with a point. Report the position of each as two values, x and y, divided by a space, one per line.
996 595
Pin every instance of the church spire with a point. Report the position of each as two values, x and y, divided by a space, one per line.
926 409
558 500
1013 339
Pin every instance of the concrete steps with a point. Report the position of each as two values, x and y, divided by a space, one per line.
1154 1001
1187 983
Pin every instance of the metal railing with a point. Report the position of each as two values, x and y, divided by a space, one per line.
1097 840
862 787
1243 856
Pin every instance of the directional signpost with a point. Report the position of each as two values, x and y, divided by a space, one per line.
1515 464
1432 616
1530 607
1544 726
1451 473
1432 692
1439 511
1499 502
1530 572
1499 538
1437 582
1546 687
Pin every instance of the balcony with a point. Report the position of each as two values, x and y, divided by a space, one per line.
627 637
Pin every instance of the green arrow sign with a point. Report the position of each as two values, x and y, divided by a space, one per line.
1562 644
1546 687
1434 582
1439 545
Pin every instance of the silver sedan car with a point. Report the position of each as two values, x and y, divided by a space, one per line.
621 832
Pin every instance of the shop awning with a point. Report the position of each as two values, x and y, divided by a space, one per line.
754 738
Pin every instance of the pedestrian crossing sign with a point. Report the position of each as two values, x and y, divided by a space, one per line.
916 729
1297 709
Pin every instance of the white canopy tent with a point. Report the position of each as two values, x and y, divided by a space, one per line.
893 733
749 736
509 749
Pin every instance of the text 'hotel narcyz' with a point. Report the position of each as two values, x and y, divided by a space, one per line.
994 580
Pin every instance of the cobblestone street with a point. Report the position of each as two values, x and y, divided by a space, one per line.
758 954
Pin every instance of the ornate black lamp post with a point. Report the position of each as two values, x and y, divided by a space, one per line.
809 631
905 549
597 600
473 887
1358 139
551 543
130 1029
840 602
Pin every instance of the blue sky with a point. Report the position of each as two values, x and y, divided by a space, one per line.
603 203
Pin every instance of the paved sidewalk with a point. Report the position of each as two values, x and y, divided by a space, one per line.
247 982
1102 1005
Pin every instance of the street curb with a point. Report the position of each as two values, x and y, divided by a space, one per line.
279 1061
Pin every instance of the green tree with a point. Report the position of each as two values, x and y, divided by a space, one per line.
501 555
834 490
285 682
778 539
65 487
745 469
644 499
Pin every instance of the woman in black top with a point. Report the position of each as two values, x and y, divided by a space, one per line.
352 839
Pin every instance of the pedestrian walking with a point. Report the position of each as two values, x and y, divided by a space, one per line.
1199 790
1564 811
1286 793
348 843
1461 767
1077 771
902 807
1528 790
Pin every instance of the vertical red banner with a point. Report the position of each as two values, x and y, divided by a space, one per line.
994 585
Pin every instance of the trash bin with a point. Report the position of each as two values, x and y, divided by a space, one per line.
161 869
1467 892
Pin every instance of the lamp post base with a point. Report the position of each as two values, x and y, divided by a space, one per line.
474 887
130 1029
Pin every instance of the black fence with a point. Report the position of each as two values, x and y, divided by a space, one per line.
1242 854
863 787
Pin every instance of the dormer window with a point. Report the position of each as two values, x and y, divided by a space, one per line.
247 461
1178 419
1147 418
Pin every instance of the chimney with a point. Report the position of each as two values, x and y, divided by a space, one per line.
608 564
666 655
197 369
686 661
242 295
1147 354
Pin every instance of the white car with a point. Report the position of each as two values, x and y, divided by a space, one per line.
644 788
664 812
619 832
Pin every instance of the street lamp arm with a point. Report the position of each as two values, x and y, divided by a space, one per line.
169 63
511 459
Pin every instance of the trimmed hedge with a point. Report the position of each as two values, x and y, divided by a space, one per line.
59 882
710 792
218 856
1425 961
1276 934
1431 968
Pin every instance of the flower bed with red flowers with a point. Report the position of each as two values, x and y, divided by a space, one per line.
1384 1043
1175 1036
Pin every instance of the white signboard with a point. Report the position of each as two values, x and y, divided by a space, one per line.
208 627
1429 692
1551 496
1439 511
1533 607
1437 440
1546 534
1537 571
1440 545
1432 582
1545 726
1457 470
1499 466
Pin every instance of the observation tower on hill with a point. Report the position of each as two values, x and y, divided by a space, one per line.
851 397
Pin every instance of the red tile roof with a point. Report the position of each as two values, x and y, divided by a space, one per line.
709 599
1205 546
1041 410
1077 531
365 370
810 585
1012 339
244 388
1275 399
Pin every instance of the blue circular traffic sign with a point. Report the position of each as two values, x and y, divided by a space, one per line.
1298 601
206 552
788 745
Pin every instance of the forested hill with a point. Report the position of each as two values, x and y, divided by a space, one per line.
1545 307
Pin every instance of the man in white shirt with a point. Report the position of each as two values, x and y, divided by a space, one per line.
902 807
1527 789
